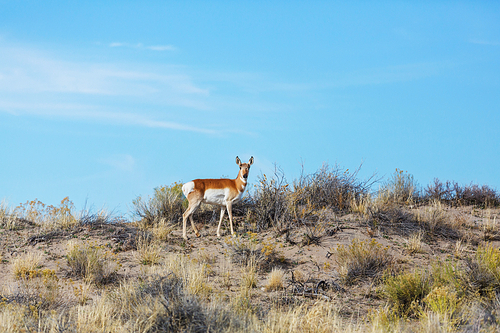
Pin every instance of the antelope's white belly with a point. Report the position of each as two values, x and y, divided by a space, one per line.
219 196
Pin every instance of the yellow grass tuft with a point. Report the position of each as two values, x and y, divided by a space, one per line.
275 280
414 243
26 265
91 262
148 251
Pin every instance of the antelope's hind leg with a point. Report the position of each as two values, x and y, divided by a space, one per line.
222 210
193 206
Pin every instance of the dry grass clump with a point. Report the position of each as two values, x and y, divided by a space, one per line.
437 221
275 280
160 303
39 289
400 189
248 277
194 275
321 317
414 242
26 265
148 250
7 216
91 262
490 227
89 217
362 259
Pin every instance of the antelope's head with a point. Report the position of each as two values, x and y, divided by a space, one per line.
244 167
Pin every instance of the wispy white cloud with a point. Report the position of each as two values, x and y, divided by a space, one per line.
37 83
120 162
26 71
146 47
95 113
388 74
484 42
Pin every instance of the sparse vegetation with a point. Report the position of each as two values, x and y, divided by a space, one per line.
91 262
362 259
454 194
166 206
414 243
318 254
400 189
148 250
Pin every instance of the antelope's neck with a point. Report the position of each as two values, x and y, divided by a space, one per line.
241 183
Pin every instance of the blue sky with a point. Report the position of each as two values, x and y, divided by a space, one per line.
103 101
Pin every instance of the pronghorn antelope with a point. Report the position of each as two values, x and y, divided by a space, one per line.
221 192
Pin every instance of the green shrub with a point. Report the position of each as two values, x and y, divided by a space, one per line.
483 271
167 204
406 291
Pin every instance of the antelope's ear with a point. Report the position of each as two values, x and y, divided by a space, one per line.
238 161
250 161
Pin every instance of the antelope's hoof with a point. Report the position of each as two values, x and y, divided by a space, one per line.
197 234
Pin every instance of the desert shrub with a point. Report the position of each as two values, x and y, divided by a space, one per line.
270 202
483 271
362 259
49 217
167 205
455 194
91 262
443 290
400 189
275 204
406 291
331 187
391 218
433 220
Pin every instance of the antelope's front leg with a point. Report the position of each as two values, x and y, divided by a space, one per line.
229 206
